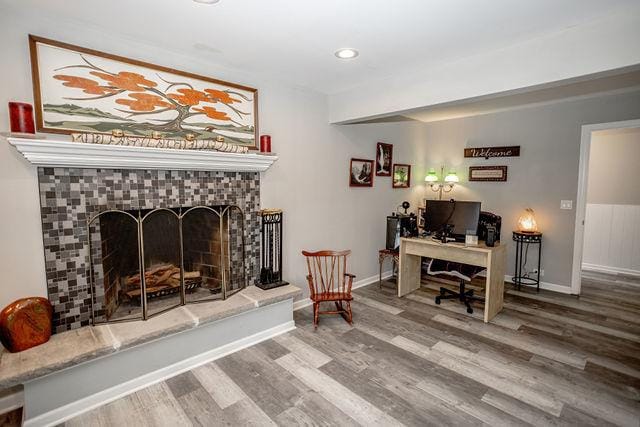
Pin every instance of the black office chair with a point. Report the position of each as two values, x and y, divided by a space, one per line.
464 272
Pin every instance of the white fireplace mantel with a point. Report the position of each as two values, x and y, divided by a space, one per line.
51 153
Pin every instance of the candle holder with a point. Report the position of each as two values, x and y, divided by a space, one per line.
21 118
265 143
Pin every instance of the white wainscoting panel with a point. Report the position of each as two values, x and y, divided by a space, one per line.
612 238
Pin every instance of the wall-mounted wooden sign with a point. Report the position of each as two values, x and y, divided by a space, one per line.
487 173
488 152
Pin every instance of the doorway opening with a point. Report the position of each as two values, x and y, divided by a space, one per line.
607 229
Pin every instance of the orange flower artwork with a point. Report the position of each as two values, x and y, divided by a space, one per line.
212 113
88 86
127 81
144 102
188 96
87 91
220 96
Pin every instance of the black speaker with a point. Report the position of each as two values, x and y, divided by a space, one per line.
400 226
393 232
491 236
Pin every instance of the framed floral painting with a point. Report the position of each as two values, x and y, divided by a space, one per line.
83 90
401 176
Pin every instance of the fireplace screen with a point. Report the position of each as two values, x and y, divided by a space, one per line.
145 262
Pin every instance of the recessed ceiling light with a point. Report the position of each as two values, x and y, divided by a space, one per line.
346 53
206 1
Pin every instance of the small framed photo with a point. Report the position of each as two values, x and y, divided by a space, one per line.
488 173
361 173
401 176
384 159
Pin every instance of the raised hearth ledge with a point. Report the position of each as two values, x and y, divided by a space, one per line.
66 154
80 345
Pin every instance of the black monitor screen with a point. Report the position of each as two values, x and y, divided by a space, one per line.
462 216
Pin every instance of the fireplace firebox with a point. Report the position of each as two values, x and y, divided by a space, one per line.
147 261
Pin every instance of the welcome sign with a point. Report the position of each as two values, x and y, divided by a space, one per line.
490 152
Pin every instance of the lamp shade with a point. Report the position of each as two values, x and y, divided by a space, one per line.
431 176
527 222
451 178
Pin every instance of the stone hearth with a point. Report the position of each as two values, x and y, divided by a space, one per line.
68 349
69 197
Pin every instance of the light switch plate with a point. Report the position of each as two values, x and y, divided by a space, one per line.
566 204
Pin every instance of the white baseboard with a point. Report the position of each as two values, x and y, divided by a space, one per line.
306 302
11 401
78 407
608 269
546 286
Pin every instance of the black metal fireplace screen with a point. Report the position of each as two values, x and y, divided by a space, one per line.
145 262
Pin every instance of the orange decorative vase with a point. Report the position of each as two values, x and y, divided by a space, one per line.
25 323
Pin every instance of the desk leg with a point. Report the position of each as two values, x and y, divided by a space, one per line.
408 272
494 296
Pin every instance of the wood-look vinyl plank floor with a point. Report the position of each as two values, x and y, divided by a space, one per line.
547 360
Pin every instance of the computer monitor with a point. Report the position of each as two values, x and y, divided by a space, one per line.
463 217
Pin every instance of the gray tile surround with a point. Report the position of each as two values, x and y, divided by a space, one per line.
69 197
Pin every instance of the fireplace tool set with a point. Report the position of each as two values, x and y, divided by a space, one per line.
271 249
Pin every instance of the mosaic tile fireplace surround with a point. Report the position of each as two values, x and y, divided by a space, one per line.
70 197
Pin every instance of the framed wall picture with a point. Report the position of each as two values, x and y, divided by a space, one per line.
83 90
487 173
401 176
361 173
384 159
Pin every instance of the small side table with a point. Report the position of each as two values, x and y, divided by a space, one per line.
520 278
384 254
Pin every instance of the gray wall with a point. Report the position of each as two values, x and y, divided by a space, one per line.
545 173
613 164
309 181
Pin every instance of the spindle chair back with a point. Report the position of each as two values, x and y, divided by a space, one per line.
329 281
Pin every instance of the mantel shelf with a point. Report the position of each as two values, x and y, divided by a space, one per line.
52 153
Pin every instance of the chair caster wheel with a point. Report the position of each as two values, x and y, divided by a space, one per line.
438 300
470 310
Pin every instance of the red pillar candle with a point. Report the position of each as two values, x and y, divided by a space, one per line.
265 143
21 117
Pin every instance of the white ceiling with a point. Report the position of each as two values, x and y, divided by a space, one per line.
293 41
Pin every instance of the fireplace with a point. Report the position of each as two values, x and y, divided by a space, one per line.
146 262
96 226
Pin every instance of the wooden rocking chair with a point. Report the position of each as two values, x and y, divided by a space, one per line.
329 281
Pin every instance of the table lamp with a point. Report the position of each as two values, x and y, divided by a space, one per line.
527 222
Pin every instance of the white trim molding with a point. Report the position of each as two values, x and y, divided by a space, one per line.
64 413
11 401
608 269
545 285
305 302
51 153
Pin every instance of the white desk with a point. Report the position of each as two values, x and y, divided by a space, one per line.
493 259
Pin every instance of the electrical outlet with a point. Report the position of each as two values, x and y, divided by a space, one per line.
535 271
566 204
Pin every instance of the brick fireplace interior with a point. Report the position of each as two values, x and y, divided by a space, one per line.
208 241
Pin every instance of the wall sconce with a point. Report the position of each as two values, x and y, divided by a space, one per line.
527 222
434 183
